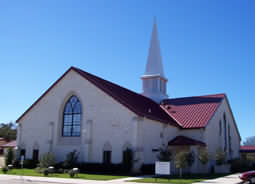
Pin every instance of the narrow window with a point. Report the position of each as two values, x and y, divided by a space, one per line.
72 118
107 157
225 132
23 153
229 140
35 155
220 128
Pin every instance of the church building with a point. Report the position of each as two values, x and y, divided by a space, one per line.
100 119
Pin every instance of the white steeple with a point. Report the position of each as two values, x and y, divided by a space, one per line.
154 81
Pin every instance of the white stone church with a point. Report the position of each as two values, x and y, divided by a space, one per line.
100 119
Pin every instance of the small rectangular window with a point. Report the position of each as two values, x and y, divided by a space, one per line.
35 155
107 157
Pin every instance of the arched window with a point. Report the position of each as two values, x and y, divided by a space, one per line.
72 118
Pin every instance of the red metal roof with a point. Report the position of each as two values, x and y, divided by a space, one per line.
192 112
10 144
182 141
137 103
246 149
189 112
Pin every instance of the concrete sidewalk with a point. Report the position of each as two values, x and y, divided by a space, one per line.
230 179
36 179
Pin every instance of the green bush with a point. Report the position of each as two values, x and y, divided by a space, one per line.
190 158
181 161
71 173
45 172
46 160
239 165
29 164
203 156
71 159
148 169
5 170
164 154
9 156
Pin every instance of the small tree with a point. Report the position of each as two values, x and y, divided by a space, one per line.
9 156
164 154
181 161
203 156
220 157
190 158
71 159
47 160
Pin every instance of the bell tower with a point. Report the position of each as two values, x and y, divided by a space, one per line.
154 81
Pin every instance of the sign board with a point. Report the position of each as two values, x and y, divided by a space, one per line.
162 168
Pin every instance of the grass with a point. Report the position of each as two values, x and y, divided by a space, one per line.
187 179
31 172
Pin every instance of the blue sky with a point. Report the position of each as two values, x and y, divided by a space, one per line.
207 47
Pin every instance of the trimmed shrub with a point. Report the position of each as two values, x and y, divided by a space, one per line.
71 160
45 172
239 165
203 156
164 154
148 169
100 168
5 170
47 160
29 164
71 173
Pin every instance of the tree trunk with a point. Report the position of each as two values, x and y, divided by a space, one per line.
180 172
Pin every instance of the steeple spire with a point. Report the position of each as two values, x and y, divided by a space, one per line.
154 81
154 60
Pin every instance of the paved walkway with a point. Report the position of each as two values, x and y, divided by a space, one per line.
13 179
230 179
1 161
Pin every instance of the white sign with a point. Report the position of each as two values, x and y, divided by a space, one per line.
162 168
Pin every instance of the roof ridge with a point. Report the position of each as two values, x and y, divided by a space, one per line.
208 95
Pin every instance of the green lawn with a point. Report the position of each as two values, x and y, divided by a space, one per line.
31 172
176 180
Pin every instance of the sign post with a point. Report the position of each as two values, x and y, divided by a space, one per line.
162 169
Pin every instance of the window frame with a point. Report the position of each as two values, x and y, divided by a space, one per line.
73 123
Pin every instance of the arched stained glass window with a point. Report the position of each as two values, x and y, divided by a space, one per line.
72 118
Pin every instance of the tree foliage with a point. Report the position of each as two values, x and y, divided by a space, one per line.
203 156
164 154
181 160
9 156
71 159
46 160
250 141
8 131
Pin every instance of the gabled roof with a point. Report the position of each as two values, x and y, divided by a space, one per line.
135 102
183 141
247 149
193 112
188 112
